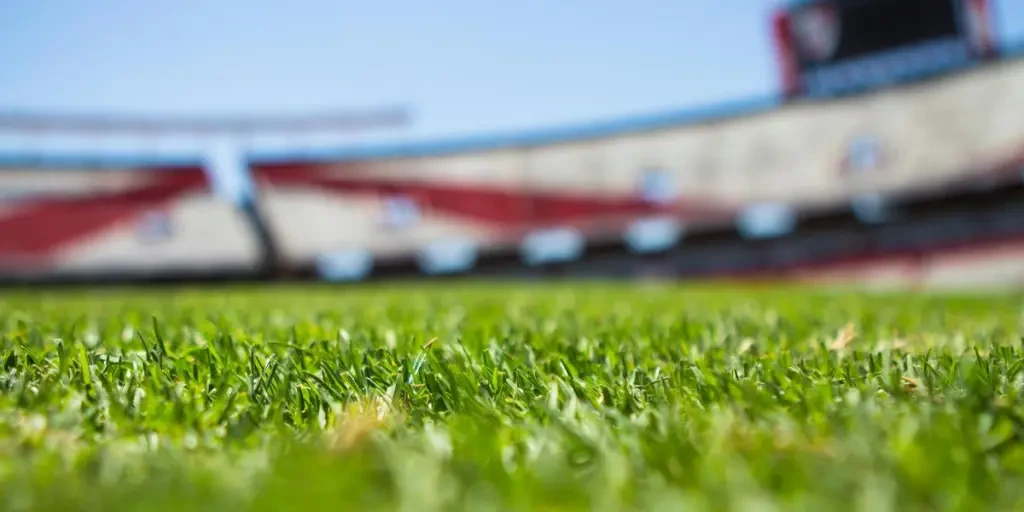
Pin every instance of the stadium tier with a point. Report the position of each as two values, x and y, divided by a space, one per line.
62 222
934 137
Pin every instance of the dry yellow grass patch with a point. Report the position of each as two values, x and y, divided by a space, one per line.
358 421
843 338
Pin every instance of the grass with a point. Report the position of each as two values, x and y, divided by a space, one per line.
483 397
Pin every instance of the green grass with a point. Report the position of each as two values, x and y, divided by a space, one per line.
510 398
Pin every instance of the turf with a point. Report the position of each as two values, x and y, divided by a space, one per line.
487 397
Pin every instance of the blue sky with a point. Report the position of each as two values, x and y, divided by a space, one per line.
462 65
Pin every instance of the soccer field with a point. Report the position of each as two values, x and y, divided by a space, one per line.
510 397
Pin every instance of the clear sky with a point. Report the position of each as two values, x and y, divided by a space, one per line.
462 65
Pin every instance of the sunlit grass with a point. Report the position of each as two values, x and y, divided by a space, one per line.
510 397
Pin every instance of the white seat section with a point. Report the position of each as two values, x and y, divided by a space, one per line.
921 135
309 222
885 274
998 267
981 267
501 169
35 183
119 220
205 232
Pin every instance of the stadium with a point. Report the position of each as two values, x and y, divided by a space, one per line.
694 351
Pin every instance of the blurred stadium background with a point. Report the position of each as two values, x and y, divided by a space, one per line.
892 155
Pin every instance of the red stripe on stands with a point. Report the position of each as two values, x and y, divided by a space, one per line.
508 208
520 208
35 229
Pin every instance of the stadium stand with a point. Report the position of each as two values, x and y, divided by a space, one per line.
921 139
891 161
63 222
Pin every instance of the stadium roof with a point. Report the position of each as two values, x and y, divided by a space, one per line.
391 117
